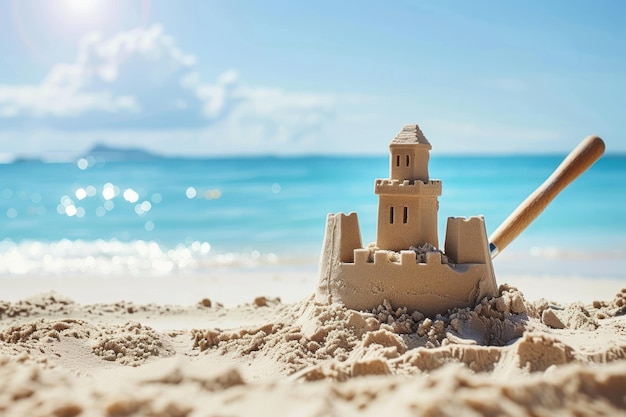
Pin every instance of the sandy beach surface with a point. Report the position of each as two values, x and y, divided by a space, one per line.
253 342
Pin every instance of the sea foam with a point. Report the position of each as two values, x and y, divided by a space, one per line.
113 257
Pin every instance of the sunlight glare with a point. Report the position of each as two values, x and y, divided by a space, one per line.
81 7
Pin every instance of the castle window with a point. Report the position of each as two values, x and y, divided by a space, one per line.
391 215
405 218
407 160
397 160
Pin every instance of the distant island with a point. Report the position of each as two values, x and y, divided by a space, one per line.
25 160
115 154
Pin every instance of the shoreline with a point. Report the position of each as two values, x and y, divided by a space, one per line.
235 286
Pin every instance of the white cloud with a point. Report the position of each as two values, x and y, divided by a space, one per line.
107 77
141 80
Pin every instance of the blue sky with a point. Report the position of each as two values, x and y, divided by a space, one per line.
283 77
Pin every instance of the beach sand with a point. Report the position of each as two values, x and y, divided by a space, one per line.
224 344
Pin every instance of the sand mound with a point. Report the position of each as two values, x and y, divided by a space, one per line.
504 356
310 341
131 344
48 303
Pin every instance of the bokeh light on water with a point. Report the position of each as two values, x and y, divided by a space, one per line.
250 211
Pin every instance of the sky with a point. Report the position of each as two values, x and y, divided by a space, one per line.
280 77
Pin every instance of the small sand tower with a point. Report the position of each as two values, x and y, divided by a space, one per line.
404 266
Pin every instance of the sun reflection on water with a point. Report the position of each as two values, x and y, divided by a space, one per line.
107 257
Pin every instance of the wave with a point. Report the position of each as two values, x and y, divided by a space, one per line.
113 257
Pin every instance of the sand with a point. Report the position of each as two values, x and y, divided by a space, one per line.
509 355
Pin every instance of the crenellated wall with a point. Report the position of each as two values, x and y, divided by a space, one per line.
417 187
363 256
431 287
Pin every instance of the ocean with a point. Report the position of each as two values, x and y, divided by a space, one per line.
165 215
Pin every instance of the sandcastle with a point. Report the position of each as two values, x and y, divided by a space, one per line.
404 266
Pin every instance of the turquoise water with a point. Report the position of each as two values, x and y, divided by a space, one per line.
163 215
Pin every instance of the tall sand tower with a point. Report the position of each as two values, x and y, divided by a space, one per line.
408 200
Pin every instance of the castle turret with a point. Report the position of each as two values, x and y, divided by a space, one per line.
408 200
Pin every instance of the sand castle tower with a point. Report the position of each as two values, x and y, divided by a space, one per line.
407 201
399 267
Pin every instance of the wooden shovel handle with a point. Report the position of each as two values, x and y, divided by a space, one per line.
577 162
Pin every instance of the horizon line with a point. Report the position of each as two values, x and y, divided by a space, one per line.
71 157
